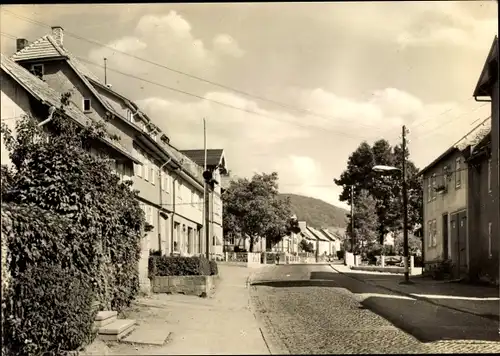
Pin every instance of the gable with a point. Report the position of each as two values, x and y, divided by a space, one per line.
213 156
42 48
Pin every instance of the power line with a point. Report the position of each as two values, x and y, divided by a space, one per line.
223 86
220 102
426 134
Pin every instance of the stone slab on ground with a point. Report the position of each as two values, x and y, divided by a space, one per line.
481 301
148 334
221 324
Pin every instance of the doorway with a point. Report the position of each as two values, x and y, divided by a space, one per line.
446 253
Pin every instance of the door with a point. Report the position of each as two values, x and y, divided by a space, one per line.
454 241
462 242
445 237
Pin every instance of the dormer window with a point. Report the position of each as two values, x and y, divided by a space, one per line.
37 70
86 105
130 116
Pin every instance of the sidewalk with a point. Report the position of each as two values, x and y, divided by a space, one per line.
222 324
477 300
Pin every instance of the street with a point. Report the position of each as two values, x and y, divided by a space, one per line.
314 309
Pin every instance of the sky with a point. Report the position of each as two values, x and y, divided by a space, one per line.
286 87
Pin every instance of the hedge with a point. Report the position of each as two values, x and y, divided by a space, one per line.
214 270
178 266
47 310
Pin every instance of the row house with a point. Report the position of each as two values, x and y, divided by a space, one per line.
461 194
445 212
215 163
171 185
484 188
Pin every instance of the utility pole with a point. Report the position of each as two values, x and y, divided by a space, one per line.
352 219
405 209
105 72
206 196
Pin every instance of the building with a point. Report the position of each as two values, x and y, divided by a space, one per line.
171 185
23 94
483 247
484 194
335 239
445 212
216 163
323 246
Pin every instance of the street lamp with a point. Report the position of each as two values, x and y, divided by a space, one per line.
384 169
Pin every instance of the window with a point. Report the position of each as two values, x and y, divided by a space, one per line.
130 116
166 182
429 189
179 190
431 233
120 170
153 172
433 191
489 175
147 164
490 255
86 105
38 70
458 173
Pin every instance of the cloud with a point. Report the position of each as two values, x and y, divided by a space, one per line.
225 126
227 45
167 38
448 24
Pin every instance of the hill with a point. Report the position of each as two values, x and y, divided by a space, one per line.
316 212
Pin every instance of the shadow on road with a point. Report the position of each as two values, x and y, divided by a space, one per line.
425 321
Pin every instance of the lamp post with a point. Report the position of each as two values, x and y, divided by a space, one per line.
388 169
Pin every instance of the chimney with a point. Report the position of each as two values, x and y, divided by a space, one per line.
21 43
57 33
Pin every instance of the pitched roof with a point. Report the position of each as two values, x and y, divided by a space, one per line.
308 234
318 234
214 156
486 77
470 139
328 235
41 48
45 94
47 47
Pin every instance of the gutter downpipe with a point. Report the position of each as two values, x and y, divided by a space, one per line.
161 200
173 213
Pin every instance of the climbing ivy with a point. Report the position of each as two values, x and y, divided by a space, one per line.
79 215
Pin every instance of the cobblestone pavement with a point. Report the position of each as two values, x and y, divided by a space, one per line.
313 309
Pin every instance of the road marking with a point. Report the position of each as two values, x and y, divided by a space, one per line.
437 296
364 296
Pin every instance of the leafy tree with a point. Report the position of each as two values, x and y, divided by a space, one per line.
57 173
414 244
386 189
252 208
365 222
306 246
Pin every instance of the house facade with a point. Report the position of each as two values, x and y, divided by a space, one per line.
323 245
171 185
445 212
216 163
484 193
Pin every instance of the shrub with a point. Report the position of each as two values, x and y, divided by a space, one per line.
214 270
47 310
178 266
340 254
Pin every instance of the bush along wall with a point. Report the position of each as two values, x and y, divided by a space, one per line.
163 266
67 210
214 270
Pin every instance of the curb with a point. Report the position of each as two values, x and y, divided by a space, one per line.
487 316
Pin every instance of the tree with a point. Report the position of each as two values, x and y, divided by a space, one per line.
386 189
414 244
253 209
57 173
306 246
365 222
